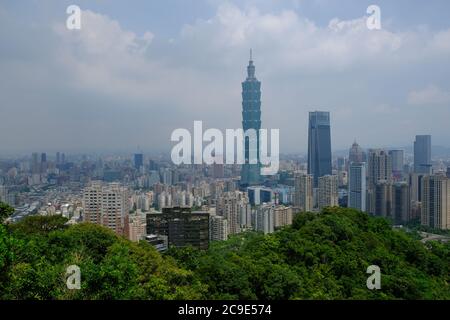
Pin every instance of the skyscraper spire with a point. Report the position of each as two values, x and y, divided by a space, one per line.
251 67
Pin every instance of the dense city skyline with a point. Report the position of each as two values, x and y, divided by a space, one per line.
224 150
145 79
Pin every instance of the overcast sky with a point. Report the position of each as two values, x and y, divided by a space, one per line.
139 69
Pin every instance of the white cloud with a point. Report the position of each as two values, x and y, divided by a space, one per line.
429 96
197 74
106 57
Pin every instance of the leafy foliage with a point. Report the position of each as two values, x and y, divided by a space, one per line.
321 256
35 253
5 211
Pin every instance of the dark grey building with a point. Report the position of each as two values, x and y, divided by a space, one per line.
422 154
319 145
251 119
181 226
382 200
138 160
357 186
401 202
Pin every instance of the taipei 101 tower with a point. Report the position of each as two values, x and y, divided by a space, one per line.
251 119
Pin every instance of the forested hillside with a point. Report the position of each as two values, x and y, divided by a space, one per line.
322 256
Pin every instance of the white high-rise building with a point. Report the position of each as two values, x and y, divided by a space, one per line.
92 203
164 200
245 214
303 191
107 205
264 219
143 201
282 216
234 206
357 186
328 191
218 228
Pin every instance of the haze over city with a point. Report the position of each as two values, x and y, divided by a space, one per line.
222 157
134 73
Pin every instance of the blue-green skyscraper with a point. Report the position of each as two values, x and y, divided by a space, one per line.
251 119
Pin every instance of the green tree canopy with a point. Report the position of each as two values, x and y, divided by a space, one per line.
321 256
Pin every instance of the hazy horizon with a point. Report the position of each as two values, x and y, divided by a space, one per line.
136 72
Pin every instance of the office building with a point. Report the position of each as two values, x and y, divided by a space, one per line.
422 154
357 186
182 226
303 192
328 191
251 119
319 145
401 203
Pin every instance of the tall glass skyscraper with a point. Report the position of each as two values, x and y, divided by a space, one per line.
357 186
251 119
319 145
422 154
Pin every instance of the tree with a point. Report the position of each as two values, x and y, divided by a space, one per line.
5 211
322 256
34 225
